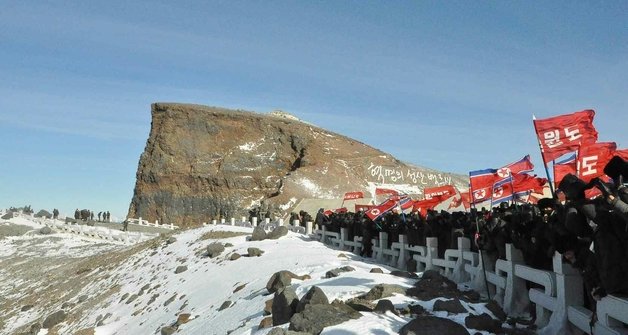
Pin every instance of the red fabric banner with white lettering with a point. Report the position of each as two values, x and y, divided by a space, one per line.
592 159
561 134
446 191
380 191
353 195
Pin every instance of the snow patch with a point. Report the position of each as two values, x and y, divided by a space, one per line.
289 204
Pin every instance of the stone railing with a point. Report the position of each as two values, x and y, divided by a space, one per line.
558 294
102 233
266 223
156 224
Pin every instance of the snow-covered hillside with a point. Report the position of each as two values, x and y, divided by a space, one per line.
171 284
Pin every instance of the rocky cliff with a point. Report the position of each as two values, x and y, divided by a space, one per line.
201 162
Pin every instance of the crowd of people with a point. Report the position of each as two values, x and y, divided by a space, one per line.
87 215
590 234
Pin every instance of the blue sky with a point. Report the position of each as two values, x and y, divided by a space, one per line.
448 85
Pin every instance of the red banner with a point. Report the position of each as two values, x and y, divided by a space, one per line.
593 158
521 166
561 170
376 211
353 195
623 153
526 182
422 206
481 194
380 191
446 191
565 133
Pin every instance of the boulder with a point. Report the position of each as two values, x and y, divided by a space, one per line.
268 307
259 234
483 322
284 305
266 322
254 252
376 270
314 296
404 274
183 318
383 291
360 305
433 325
45 231
336 272
234 256
168 330
54 319
384 306
180 268
278 281
316 317
215 249
277 233
452 306
225 305
171 240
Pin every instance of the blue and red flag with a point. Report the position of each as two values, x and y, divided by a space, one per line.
481 183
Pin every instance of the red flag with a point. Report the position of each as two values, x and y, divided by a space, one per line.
363 207
563 169
353 195
481 182
379 210
623 153
380 191
561 134
481 194
521 166
526 182
447 191
532 199
456 202
465 200
423 206
593 158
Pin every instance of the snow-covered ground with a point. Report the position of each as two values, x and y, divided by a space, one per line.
136 291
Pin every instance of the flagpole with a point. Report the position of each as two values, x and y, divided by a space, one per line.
477 233
536 133
512 188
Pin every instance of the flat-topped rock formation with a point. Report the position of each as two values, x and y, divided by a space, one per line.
201 162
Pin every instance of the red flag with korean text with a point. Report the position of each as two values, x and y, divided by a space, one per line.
380 191
353 195
592 158
561 134
446 191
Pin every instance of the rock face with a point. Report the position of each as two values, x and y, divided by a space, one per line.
201 162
